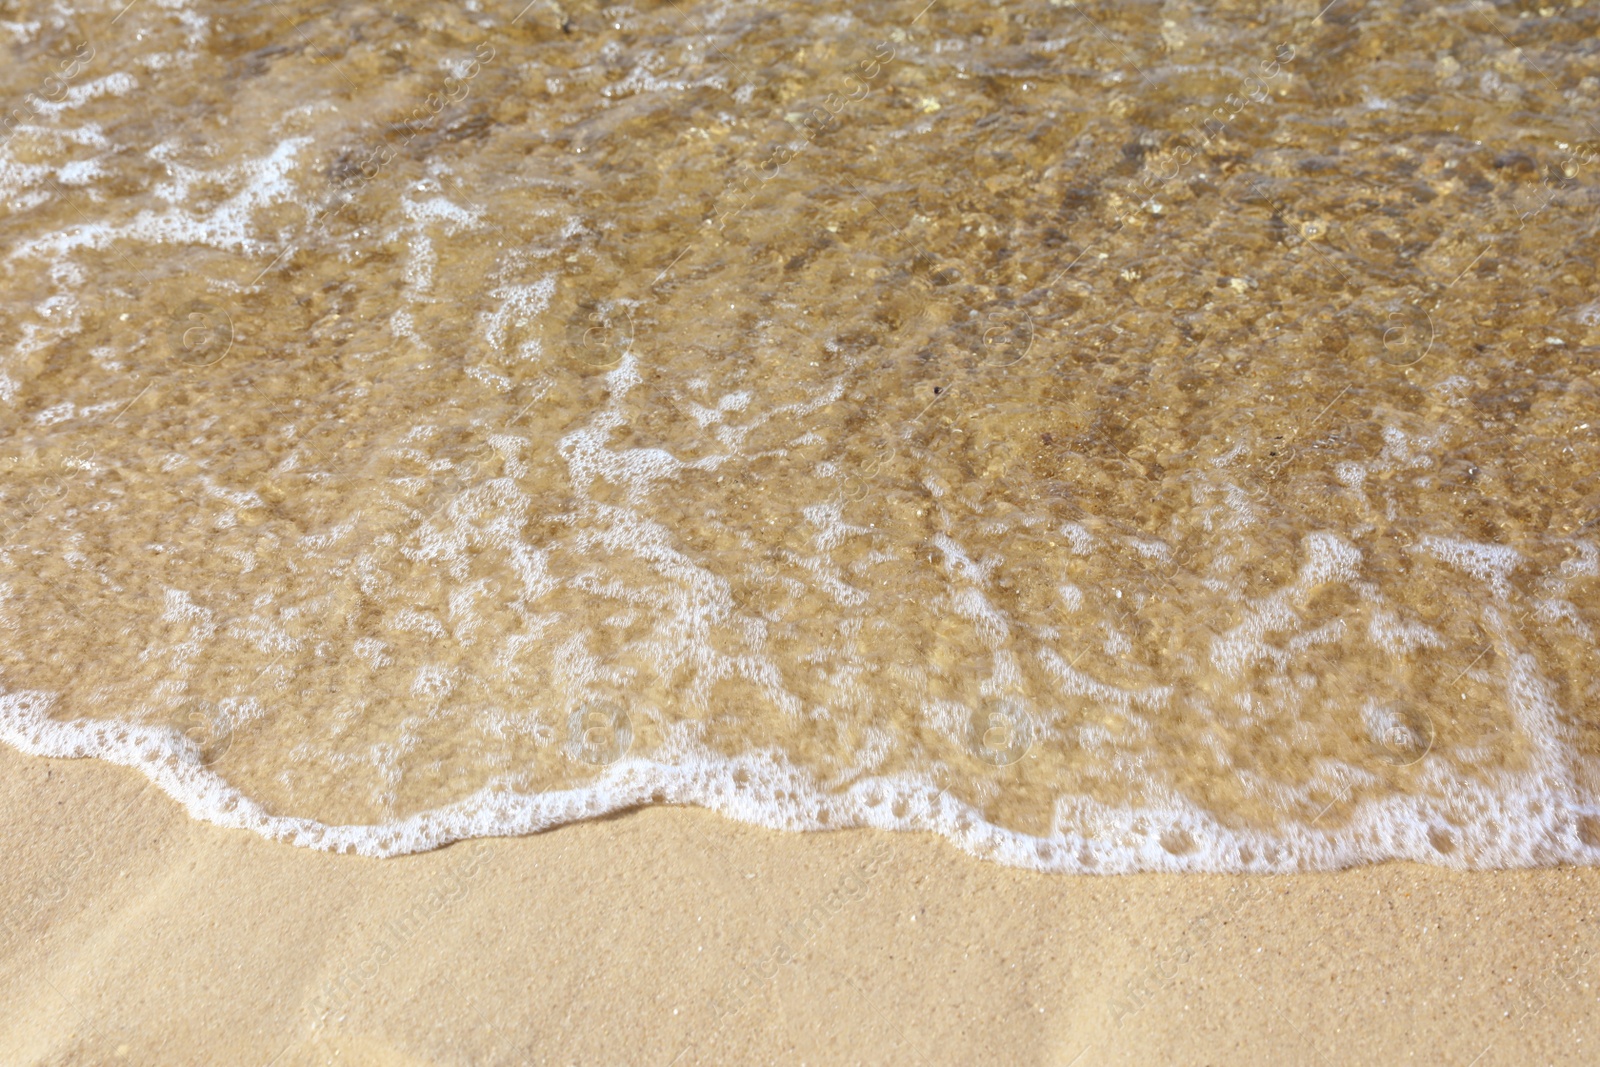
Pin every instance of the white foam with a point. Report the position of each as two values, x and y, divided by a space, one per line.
1515 820
265 181
119 83
1488 563
519 305
1401 637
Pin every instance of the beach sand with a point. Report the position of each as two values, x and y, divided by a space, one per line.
1152 427
136 934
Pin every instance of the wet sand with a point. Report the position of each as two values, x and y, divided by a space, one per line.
138 935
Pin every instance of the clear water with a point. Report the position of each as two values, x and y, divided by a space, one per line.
1114 437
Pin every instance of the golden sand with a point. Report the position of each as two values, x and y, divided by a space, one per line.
136 935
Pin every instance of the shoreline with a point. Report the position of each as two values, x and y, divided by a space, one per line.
1178 839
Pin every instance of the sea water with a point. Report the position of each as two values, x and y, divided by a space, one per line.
1114 437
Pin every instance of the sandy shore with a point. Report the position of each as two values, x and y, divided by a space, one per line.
134 934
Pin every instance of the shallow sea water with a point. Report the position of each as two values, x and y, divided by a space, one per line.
1112 436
